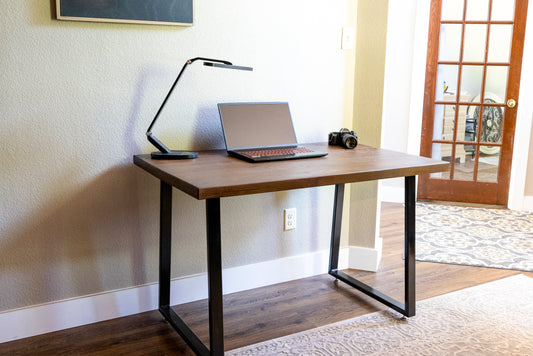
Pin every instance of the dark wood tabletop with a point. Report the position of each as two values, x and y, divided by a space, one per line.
214 174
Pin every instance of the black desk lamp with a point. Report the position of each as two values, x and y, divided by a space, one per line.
164 152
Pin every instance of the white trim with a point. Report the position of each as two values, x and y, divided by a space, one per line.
524 117
68 313
417 85
366 259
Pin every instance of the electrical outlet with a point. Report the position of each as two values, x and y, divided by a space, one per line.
289 219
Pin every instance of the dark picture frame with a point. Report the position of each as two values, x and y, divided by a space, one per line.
158 12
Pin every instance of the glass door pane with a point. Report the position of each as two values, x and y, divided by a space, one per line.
450 41
500 43
491 123
474 43
452 10
502 10
477 10
488 164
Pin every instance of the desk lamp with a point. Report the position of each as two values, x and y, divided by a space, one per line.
164 152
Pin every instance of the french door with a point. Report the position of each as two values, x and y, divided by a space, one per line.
471 94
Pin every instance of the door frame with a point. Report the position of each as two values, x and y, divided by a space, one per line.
414 51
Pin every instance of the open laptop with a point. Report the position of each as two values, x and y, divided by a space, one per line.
259 132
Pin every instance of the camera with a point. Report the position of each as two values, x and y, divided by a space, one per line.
344 138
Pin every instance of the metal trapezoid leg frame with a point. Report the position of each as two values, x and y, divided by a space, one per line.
407 309
165 245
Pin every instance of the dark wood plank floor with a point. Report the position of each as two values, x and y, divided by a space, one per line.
264 313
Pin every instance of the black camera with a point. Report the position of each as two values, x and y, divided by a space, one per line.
344 138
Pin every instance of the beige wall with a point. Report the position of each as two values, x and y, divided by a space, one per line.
76 217
368 104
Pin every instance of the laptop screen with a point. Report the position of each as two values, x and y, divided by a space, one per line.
255 125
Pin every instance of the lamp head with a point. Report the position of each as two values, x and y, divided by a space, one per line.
227 65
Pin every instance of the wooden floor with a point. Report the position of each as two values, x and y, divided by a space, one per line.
264 313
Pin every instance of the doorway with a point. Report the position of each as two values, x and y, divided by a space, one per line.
471 93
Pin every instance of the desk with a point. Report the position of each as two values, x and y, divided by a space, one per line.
214 175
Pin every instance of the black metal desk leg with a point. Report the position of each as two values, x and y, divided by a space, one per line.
410 237
165 243
214 273
165 247
336 227
408 307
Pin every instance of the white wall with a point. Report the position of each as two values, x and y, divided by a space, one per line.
405 69
76 217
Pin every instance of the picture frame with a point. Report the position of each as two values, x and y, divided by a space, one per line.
156 12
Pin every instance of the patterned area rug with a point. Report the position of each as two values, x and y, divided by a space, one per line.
498 238
492 319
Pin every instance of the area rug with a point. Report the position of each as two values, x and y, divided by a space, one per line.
491 319
498 238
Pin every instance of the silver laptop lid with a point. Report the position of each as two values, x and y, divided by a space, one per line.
256 125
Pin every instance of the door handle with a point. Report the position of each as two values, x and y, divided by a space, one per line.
511 103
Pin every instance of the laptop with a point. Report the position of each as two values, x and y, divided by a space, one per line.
260 132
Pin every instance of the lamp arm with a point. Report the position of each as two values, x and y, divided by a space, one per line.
209 60
190 61
153 140
158 144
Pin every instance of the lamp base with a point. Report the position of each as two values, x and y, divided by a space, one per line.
174 155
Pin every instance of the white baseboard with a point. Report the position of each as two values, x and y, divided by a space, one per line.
366 259
64 314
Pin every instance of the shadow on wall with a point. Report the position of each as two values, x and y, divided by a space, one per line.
208 130
85 245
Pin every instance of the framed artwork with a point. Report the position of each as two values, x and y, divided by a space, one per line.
160 12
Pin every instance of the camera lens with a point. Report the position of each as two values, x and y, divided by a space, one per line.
349 141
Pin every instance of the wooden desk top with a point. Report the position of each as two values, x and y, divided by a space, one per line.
214 174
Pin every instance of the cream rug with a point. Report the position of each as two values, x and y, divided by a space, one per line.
491 319
498 238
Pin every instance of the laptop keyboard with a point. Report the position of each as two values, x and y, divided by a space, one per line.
275 152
